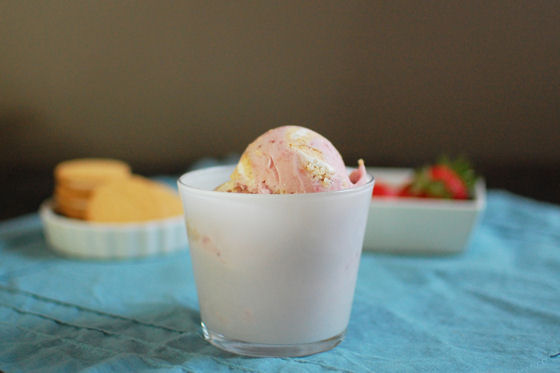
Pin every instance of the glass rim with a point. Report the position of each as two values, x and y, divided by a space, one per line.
184 186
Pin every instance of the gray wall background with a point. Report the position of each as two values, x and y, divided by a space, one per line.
161 83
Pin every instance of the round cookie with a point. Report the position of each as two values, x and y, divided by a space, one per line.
67 197
87 173
70 211
73 204
67 192
132 200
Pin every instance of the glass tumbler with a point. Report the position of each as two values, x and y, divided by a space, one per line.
275 273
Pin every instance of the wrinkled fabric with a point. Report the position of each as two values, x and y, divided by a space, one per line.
494 307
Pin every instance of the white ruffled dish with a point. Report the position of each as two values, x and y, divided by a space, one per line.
420 225
85 240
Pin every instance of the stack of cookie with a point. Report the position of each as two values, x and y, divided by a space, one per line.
105 190
76 180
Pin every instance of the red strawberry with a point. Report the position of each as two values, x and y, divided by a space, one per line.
446 179
453 183
381 189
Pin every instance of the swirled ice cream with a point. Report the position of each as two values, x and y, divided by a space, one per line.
292 159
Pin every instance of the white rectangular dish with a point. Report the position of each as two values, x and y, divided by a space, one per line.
420 225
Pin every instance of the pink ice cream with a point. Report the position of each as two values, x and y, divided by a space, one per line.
292 159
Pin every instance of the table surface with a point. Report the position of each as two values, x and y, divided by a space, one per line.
495 306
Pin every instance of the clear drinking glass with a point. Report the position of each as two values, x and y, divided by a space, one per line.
275 273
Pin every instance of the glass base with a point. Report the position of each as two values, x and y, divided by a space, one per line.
269 350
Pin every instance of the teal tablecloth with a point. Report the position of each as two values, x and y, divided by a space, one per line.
496 307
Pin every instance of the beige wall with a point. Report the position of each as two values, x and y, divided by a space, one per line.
162 83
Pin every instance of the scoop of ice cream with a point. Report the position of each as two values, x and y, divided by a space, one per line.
291 159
